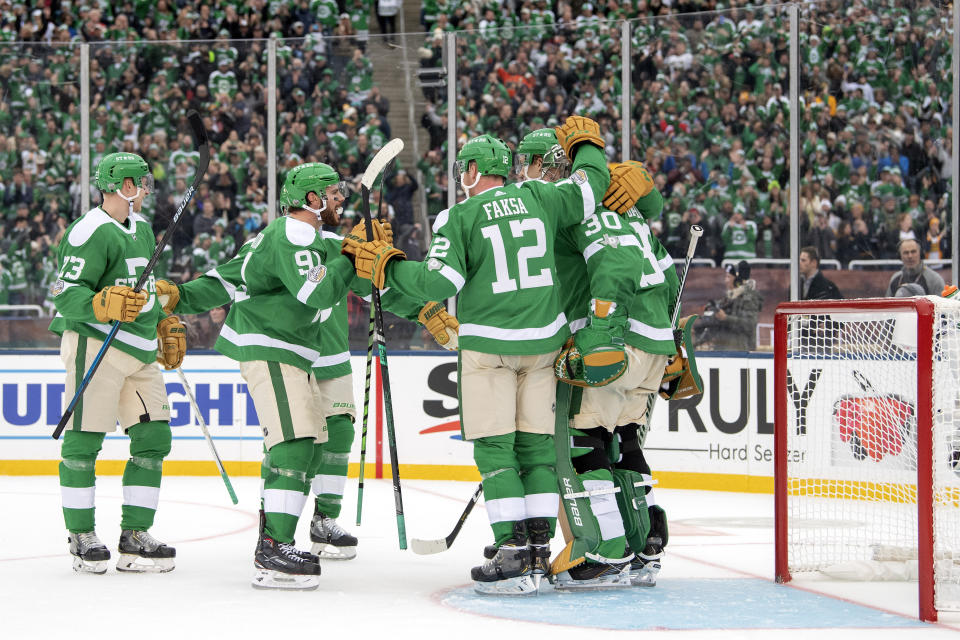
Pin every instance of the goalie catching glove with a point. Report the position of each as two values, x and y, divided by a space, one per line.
441 324
578 129
595 356
680 377
172 342
119 302
629 181
168 295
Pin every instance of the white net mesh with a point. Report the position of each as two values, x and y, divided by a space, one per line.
852 446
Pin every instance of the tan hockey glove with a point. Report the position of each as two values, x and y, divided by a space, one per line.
596 355
119 302
371 259
172 342
381 231
168 295
578 129
629 181
680 377
441 324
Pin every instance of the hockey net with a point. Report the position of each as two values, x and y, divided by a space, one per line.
868 443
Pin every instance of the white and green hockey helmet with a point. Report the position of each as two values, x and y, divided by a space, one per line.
541 144
492 156
310 177
115 167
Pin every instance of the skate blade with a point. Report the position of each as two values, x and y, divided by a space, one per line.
329 552
645 577
267 579
98 567
563 582
519 586
131 563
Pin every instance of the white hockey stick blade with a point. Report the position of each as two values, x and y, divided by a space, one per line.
428 547
387 153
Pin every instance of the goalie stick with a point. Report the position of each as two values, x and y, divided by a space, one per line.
203 147
427 547
377 165
206 434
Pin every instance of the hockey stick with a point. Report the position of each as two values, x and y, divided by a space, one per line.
206 434
379 162
203 147
377 166
366 412
427 547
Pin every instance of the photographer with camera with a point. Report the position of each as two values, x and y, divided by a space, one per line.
730 323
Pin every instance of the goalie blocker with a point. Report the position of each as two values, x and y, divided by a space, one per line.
681 379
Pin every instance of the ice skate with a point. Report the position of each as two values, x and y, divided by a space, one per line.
329 539
646 565
89 554
538 537
140 552
509 571
283 566
594 574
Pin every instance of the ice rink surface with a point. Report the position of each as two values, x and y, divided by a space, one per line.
716 579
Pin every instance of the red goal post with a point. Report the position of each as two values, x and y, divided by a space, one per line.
867 464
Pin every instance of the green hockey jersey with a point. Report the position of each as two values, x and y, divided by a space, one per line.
97 252
327 341
497 251
290 277
614 257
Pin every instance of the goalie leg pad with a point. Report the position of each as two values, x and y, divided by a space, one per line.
632 503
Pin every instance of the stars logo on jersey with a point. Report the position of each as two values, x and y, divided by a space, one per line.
434 265
611 241
57 288
317 273
579 177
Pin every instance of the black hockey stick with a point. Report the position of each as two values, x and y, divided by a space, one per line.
427 547
377 165
380 161
203 147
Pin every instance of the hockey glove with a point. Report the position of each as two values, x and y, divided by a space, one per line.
578 129
680 377
168 295
172 342
441 324
371 259
381 231
119 302
596 356
629 181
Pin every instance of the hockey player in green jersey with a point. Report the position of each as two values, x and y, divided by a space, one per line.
625 264
101 256
496 250
325 346
608 259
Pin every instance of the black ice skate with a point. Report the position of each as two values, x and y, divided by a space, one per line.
329 539
89 554
538 539
282 566
595 573
142 553
646 565
509 571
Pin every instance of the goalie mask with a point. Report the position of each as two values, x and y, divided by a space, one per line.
491 154
313 177
540 151
115 167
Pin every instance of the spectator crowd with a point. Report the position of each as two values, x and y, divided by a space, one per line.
709 113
